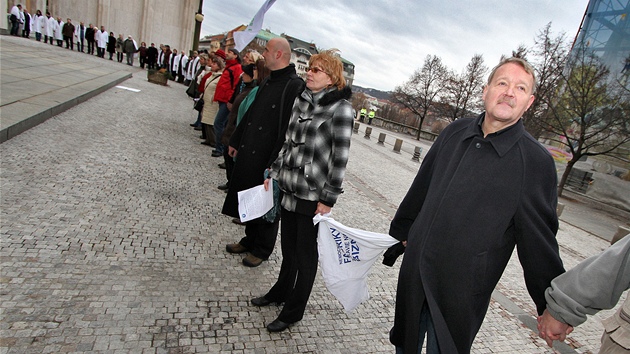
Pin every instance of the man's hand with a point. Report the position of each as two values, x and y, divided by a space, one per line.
551 329
232 151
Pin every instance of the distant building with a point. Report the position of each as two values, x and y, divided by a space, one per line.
301 51
605 31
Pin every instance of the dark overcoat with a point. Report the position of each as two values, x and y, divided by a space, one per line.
260 135
474 199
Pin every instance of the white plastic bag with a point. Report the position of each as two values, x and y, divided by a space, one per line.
346 256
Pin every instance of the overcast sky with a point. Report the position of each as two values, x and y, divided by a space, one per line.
387 40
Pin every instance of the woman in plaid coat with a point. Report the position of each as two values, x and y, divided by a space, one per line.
309 169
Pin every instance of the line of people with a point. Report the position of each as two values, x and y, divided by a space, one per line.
267 123
55 31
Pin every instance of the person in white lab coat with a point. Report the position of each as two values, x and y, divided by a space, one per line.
101 41
58 26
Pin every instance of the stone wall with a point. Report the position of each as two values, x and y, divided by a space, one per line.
150 21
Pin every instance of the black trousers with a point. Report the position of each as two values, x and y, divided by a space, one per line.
260 238
299 265
69 42
90 48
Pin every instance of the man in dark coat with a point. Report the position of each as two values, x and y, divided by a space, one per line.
256 142
152 54
484 187
89 37
68 34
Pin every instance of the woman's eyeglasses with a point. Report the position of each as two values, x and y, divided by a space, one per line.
314 69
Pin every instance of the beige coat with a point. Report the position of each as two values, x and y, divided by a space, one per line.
210 107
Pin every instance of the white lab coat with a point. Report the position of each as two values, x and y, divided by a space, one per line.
102 37
192 69
57 30
77 31
48 25
36 23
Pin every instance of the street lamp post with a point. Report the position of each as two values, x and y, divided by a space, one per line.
198 20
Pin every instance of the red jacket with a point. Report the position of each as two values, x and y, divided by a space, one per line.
228 80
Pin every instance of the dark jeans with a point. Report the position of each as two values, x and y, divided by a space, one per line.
426 327
129 58
38 36
220 122
229 165
69 42
299 265
80 45
119 56
142 61
14 27
46 39
60 43
260 238
91 46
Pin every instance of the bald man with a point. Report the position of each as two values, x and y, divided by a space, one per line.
257 141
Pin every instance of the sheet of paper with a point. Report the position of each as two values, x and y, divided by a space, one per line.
254 202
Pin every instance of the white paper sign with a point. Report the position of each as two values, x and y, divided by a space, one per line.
254 202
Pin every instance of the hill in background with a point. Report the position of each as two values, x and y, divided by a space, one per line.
381 95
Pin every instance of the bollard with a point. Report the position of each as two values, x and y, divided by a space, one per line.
381 139
416 153
622 231
398 145
559 209
368 131
356 127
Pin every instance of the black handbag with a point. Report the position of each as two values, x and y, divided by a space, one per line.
199 105
192 89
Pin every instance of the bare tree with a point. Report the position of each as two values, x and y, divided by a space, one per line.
591 114
359 100
550 55
419 94
463 91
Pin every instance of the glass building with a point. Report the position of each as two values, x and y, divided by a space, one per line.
605 30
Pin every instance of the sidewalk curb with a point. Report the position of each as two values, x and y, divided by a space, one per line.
38 118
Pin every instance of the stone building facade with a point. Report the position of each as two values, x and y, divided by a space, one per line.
157 21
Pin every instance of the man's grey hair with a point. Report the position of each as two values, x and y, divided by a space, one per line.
519 61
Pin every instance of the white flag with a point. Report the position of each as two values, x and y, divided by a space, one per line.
242 38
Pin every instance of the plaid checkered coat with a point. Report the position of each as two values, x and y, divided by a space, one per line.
312 162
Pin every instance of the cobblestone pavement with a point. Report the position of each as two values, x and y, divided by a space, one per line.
113 242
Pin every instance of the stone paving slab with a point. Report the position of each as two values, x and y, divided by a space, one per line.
55 82
113 242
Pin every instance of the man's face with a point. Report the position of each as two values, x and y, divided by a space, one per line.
103 28
270 54
229 55
509 94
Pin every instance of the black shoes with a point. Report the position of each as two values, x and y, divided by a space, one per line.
193 125
277 326
261 301
222 166
216 154
223 187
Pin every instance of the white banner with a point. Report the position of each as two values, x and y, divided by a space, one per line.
346 256
242 38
